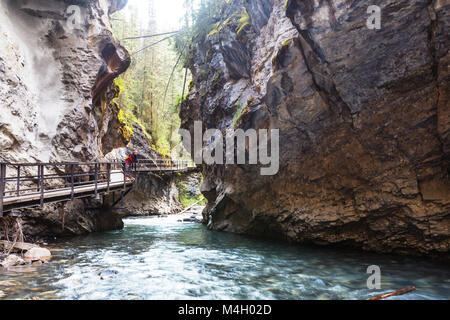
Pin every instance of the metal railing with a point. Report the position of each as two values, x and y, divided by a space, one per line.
18 180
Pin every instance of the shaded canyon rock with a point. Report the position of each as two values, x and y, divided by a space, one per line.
363 118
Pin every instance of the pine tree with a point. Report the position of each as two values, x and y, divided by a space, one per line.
143 85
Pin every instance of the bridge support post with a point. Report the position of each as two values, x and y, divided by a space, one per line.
62 214
108 169
72 182
96 180
2 186
125 176
41 184
18 181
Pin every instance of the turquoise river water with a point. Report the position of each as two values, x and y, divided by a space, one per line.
162 258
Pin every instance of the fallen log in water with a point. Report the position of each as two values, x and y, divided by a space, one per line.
392 294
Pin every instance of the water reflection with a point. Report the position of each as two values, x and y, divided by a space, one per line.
155 258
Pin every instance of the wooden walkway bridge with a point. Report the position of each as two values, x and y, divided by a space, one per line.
26 185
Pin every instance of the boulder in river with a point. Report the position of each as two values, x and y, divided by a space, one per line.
108 274
11 261
38 254
194 220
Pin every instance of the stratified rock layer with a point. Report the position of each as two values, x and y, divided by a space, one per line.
364 120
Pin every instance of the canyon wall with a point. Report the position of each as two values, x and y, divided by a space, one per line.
58 60
53 78
364 122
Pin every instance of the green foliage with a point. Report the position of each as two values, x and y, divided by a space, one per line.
186 199
120 84
244 20
241 109
142 86
278 58
163 147
286 43
191 85
127 128
210 19
180 100
219 26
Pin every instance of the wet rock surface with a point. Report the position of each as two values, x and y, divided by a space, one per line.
12 261
363 119
32 255
35 254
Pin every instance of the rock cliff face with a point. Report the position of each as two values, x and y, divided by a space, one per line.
58 61
57 64
153 195
364 123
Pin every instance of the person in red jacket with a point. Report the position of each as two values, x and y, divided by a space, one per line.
129 161
128 164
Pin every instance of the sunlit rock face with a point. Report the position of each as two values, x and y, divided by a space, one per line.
57 64
58 61
364 122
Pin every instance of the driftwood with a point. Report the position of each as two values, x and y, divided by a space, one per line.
392 294
190 207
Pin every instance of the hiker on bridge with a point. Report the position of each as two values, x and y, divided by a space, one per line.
134 156
130 163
